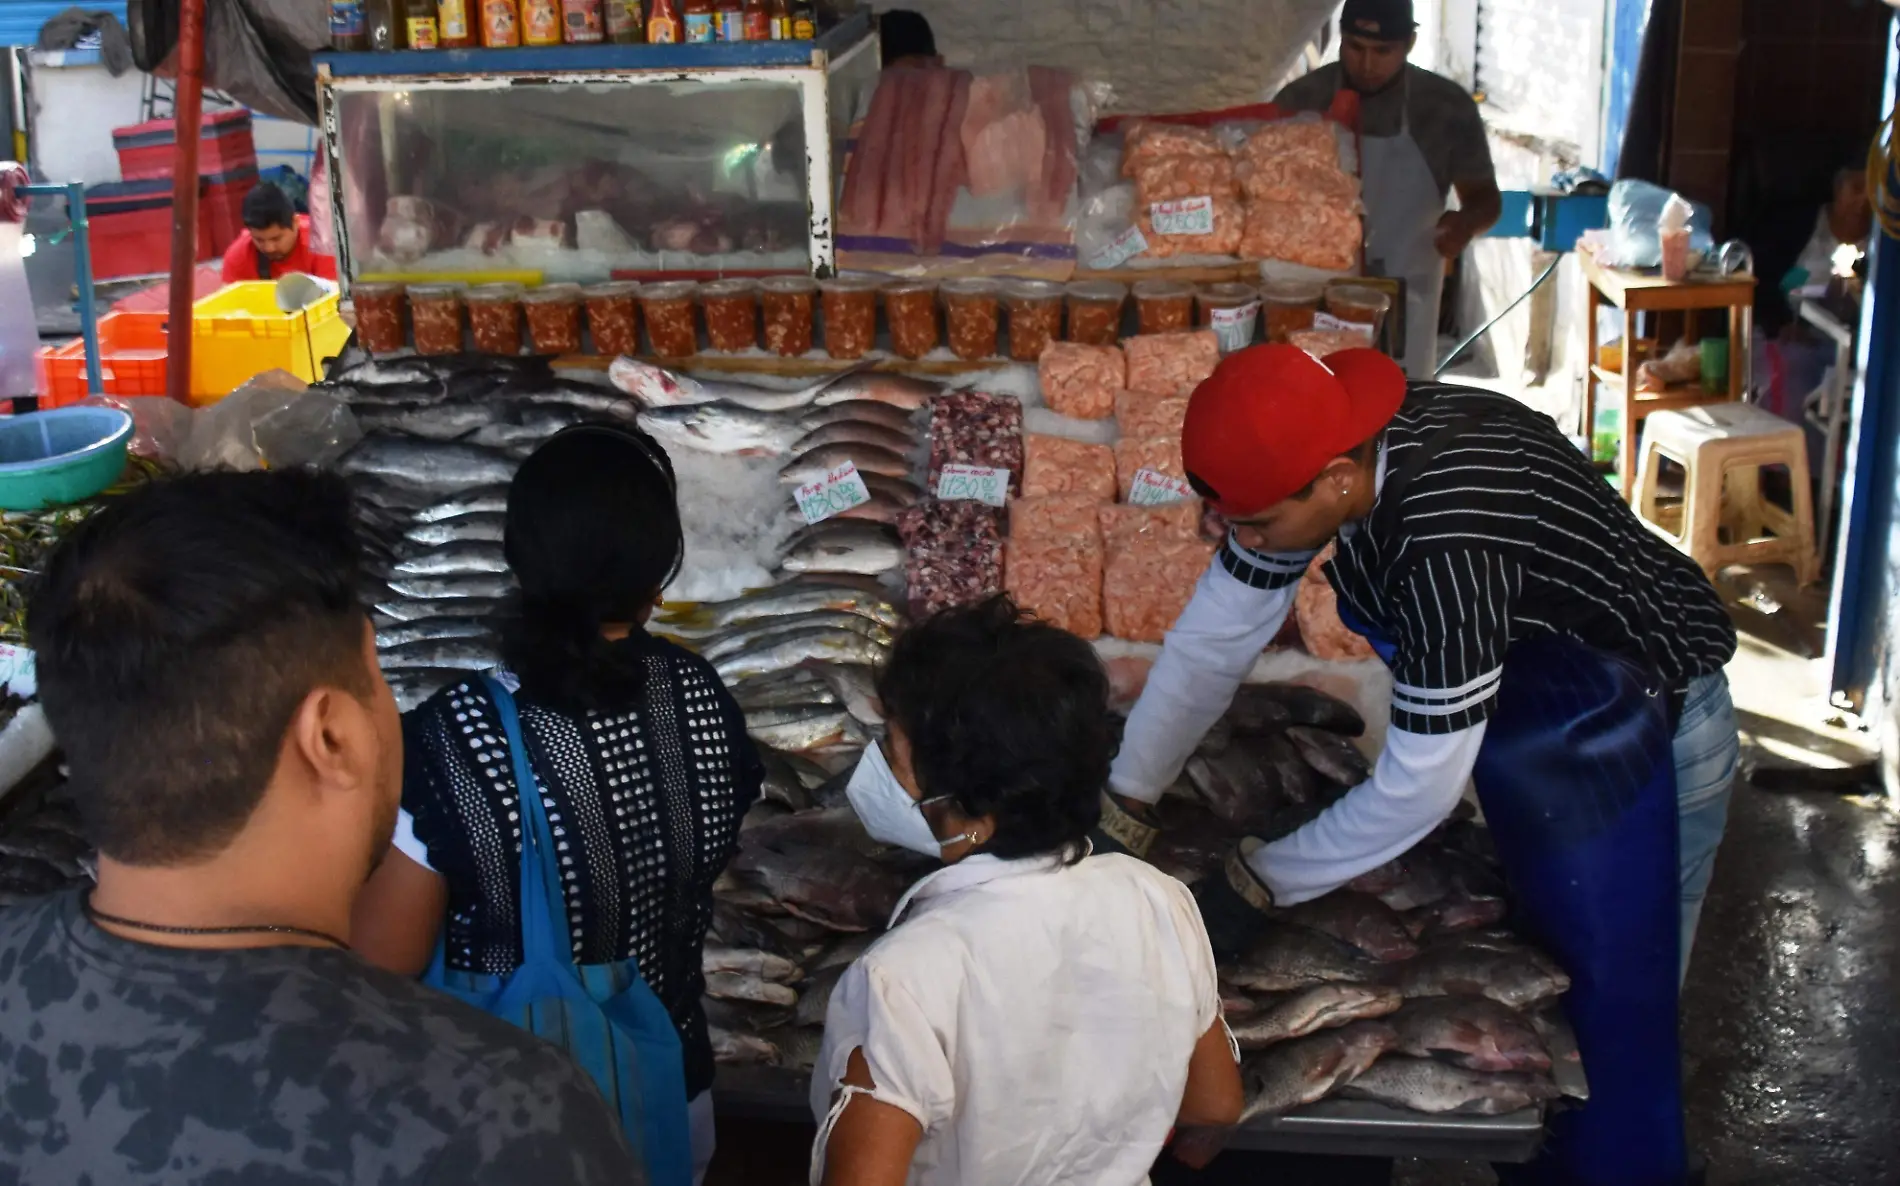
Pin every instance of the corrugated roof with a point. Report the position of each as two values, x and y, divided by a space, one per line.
20 20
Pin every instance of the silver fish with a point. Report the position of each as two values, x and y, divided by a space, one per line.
899 490
856 688
487 586
487 528
900 391
797 685
413 685
1427 1085
857 432
1330 754
720 428
836 533
1303 1070
1285 958
490 501
1520 978
781 601
866 410
426 464
1475 1032
738 986
832 646
870 459
583 397
456 559
388 373
459 654
797 728
782 784
714 957
755 633
404 633
737 1048
411 609
1323 1006
879 510
435 422
536 425
658 387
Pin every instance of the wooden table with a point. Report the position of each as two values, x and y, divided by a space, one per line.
1637 292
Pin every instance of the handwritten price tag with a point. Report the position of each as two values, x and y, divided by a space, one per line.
1337 325
1120 250
973 483
1188 216
838 491
1150 488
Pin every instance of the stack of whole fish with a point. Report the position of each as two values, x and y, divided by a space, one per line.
442 438
1393 988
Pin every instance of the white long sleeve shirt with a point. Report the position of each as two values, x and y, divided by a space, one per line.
1414 785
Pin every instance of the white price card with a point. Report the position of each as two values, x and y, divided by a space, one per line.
18 674
838 491
1185 216
1151 488
973 483
1234 327
1120 250
1327 321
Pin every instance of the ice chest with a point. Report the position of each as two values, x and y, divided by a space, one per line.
238 333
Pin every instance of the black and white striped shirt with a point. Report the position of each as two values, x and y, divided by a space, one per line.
1506 533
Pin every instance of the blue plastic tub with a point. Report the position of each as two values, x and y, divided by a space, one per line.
62 456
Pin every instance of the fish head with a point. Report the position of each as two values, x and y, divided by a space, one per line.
653 385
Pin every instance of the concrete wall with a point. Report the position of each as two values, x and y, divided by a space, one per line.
1158 55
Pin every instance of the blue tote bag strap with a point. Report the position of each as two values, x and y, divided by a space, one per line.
604 1015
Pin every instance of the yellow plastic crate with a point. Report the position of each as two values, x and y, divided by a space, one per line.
238 333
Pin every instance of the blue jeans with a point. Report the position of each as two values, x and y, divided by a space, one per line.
1707 750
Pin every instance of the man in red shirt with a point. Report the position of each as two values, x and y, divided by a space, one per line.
276 241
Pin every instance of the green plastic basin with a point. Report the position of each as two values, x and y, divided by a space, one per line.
63 456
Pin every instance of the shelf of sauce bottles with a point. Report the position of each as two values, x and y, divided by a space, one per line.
377 25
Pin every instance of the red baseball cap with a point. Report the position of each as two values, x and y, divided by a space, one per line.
1269 418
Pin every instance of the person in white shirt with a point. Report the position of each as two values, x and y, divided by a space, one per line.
1847 220
1035 1014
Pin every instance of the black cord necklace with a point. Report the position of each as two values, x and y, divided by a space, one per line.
97 915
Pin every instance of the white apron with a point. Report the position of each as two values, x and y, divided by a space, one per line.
1403 206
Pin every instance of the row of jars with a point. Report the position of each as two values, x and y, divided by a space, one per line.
976 317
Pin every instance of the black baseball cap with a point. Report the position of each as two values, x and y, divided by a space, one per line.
1381 20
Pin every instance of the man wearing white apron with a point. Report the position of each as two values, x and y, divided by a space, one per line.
1420 138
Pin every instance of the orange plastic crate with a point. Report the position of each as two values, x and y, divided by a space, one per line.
132 351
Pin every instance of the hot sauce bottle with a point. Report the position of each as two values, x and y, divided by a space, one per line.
699 21
664 26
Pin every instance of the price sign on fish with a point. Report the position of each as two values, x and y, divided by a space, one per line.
1186 216
973 483
838 491
1151 488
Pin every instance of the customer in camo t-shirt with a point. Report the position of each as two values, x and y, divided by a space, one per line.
198 1017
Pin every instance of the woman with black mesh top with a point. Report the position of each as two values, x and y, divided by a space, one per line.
641 755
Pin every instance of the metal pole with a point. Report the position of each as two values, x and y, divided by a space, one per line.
188 104
82 274
75 194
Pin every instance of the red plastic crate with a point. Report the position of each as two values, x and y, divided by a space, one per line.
137 241
225 145
132 353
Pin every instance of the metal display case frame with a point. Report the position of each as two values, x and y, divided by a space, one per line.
809 65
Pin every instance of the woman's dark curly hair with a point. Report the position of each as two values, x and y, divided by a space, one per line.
1009 717
593 535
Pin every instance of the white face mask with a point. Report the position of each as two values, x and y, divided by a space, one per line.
886 809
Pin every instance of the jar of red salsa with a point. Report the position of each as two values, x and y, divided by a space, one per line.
554 318
668 309
612 317
970 317
494 318
786 305
381 325
435 311
850 304
910 306
731 308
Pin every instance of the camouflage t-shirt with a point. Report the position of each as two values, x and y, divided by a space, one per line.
122 1062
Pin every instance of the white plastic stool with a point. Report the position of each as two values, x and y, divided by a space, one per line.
1724 522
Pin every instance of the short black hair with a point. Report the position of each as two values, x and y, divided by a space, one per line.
176 632
593 535
902 33
1009 717
267 206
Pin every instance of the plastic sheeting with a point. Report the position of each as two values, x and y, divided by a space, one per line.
256 51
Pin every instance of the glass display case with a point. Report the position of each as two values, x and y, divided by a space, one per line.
589 163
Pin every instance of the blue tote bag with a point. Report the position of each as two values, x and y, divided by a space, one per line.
603 1015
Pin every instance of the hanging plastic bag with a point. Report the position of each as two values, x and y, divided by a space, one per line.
1636 209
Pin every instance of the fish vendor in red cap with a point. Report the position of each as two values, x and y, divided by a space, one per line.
1542 643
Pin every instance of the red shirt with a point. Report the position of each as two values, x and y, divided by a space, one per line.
241 258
